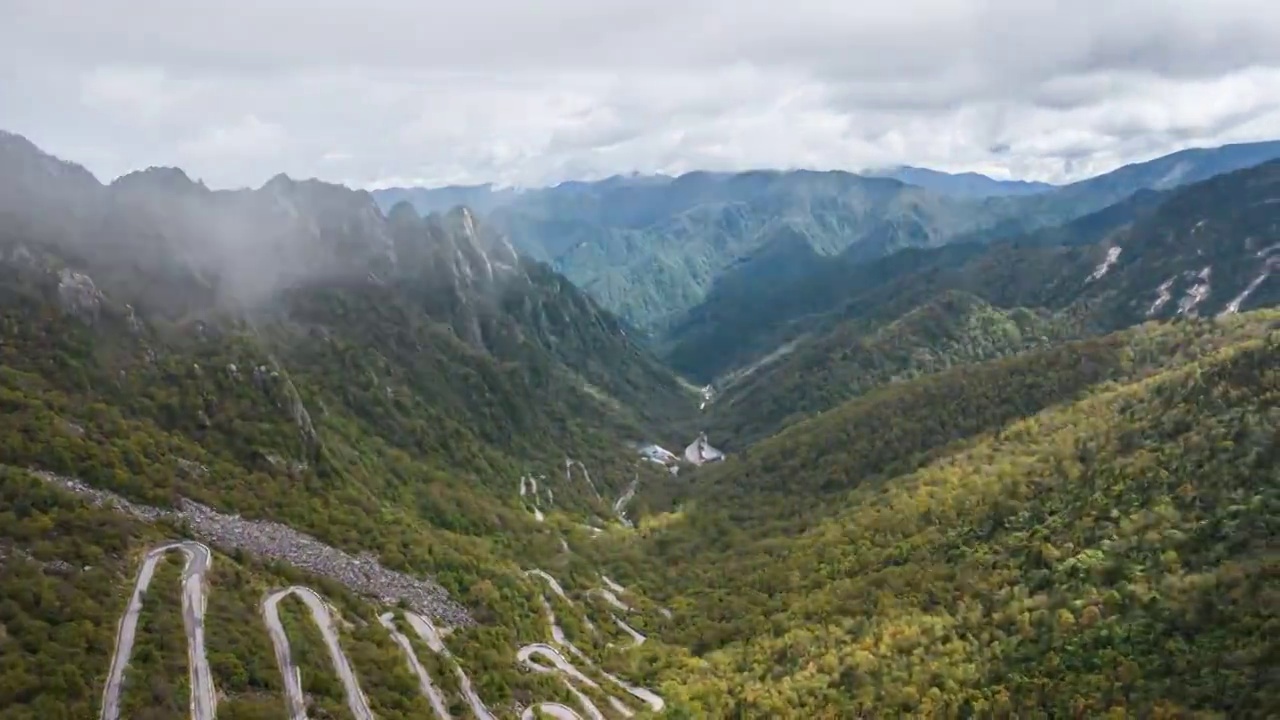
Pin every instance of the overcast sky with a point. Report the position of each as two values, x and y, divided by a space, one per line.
532 92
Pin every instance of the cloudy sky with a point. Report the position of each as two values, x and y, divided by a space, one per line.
532 92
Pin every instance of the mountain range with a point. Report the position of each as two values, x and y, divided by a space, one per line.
796 346
652 248
297 451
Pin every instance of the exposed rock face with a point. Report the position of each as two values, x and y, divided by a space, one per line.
362 574
78 295
297 409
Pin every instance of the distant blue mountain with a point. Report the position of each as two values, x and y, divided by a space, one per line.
969 184
480 198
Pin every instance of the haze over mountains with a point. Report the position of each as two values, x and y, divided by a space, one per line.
989 450
487 197
653 248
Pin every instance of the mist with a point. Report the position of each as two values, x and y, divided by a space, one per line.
203 250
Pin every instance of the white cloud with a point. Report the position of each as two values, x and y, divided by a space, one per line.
140 94
531 93
233 150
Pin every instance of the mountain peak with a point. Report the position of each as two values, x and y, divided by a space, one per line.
464 219
965 184
321 199
403 213
12 138
279 181
158 178
20 157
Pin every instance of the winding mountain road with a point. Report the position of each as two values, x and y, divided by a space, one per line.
568 475
558 663
637 637
356 700
425 686
204 696
610 598
204 701
431 636
556 710
559 591
538 657
620 506
530 485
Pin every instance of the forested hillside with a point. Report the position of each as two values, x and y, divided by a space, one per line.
953 328
1081 531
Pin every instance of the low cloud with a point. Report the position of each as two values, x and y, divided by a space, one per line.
534 93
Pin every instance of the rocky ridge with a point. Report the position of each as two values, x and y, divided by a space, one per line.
362 574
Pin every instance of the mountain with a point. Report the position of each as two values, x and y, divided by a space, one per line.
1176 169
1181 168
251 251
652 248
969 184
479 198
814 374
345 403
487 197
648 247
804 344
1223 222
755 309
278 451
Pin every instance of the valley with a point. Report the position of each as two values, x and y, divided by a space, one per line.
890 452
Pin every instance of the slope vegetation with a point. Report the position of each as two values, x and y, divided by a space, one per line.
951 329
1076 531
